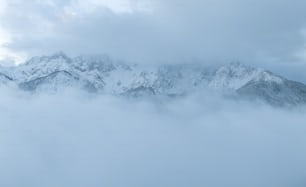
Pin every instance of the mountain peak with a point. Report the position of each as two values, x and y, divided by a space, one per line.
236 64
267 76
59 54
56 58
102 75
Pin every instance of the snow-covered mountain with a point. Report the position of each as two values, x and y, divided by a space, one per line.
100 74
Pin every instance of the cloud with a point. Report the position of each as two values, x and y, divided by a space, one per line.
160 31
8 56
116 6
2 6
73 140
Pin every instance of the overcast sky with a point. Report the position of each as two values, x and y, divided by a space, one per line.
254 31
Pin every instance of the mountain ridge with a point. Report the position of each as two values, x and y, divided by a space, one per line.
101 74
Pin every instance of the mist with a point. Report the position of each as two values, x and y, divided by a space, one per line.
69 138
75 139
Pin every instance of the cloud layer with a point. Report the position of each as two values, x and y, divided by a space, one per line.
256 31
67 140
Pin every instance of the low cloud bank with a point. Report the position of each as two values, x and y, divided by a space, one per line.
72 140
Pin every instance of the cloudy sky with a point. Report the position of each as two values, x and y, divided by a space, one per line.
265 32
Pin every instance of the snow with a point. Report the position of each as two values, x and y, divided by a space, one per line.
101 74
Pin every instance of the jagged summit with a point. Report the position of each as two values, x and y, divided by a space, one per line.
100 74
58 57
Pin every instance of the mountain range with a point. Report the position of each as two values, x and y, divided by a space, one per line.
102 75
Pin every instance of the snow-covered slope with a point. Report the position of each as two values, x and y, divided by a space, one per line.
275 90
100 74
4 79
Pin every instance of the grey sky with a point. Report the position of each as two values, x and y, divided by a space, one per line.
262 32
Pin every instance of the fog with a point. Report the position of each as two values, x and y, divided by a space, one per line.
77 140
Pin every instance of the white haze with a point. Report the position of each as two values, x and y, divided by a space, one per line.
72 140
